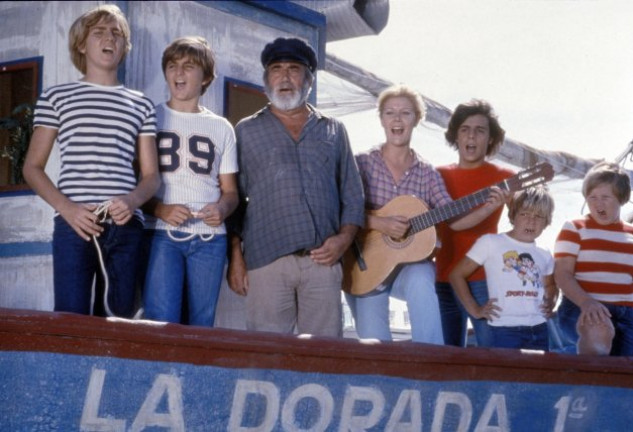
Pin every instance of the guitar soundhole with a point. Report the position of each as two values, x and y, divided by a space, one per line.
398 243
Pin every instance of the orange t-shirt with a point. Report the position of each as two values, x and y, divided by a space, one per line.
461 182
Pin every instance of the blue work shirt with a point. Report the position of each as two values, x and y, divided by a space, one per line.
298 193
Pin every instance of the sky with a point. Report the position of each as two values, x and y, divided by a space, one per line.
559 73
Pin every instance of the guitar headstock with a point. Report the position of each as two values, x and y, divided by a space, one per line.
538 174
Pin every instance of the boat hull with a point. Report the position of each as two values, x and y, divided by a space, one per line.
68 372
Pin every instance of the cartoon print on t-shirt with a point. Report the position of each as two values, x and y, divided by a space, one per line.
525 267
510 261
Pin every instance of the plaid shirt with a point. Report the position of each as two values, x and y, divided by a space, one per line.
421 180
298 193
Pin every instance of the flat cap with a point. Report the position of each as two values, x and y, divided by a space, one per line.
292 49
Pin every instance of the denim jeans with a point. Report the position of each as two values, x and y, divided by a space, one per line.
75 263
414 284
566 317
526 337
621 317
195 264
455 317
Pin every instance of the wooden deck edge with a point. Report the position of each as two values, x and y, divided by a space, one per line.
25 330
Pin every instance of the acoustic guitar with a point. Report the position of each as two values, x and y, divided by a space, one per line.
374 255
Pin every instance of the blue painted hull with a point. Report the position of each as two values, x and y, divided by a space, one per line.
65 373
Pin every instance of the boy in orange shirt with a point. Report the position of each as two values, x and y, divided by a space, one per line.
475 133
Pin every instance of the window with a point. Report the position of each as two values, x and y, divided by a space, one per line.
20 84
241 100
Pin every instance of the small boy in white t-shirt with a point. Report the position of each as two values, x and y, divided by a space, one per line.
519 274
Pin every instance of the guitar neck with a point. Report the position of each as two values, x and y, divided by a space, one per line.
448 211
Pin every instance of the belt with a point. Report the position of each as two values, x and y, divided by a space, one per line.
302 252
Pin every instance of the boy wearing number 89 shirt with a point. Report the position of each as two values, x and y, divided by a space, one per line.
198 165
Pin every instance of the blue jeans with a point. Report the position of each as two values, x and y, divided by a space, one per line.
526 337
455 317
75 263
566 317
414 284
621 317
172 265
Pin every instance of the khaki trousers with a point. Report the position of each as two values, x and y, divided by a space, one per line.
294 294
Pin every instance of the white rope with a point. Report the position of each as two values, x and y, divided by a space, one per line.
197 214
203 237
102 214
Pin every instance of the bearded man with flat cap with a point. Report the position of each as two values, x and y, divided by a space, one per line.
303 203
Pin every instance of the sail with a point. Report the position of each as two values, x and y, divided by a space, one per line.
513 152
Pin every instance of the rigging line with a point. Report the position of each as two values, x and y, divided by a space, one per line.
336 81
627 152
102 214
554 158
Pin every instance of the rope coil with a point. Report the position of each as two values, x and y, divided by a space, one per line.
197 214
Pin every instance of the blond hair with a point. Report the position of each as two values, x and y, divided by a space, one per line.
401 90
79 30
536 199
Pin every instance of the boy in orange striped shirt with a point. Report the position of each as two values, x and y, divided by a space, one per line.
594 267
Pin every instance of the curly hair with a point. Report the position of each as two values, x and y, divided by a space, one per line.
474 107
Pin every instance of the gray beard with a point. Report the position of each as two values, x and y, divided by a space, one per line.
290 102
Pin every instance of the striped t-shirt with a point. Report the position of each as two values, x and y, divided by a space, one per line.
97 130
604 258
193 150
